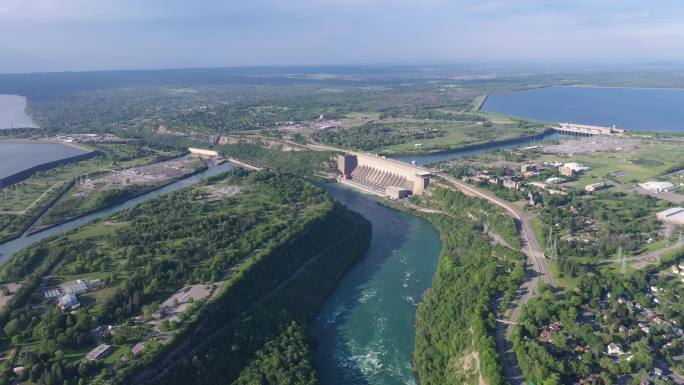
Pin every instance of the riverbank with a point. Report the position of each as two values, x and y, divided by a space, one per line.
364 333
35 230
13 112
455 325
632 108
8 249
470 147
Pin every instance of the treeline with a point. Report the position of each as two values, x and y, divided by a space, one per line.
303 163
373 136
230 336
456 320
284 360
616 221
181 238
553 359
432 113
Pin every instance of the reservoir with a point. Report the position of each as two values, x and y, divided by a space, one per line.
12 112
365 331
630 108
16 156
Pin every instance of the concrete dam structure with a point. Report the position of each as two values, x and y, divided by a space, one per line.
587 130
382 176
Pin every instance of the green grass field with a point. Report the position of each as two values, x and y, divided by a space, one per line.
459 135
639 165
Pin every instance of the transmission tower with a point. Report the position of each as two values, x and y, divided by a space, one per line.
623 261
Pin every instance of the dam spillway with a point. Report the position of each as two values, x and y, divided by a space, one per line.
382 176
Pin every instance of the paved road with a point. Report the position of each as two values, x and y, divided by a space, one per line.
528 290
530 245
535 258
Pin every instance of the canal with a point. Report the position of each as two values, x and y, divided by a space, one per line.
476 150
9 248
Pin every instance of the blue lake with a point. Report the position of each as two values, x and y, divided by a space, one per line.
630 108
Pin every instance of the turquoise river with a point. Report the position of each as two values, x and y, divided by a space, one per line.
365 331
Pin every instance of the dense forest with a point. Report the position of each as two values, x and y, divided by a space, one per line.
374 136
253 240
455 321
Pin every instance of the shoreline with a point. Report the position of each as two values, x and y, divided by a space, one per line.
31 230
26 173
472 146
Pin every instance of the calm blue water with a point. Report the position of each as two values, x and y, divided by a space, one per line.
15 157
630 108
12 112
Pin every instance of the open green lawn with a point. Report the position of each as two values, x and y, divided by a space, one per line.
458 135
640 165
117 354
95 230
564 281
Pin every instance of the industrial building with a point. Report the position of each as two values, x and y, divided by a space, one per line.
382 176
100 352
201 152
658 186
596 186
584 129
528 167
68 302
674 215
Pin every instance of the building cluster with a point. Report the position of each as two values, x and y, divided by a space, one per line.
650 319
588 130
88 138
66 293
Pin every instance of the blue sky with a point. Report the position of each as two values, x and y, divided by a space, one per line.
57 35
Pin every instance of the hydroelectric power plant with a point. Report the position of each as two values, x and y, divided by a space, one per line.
382 176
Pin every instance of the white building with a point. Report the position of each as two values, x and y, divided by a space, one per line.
673 215
615 349
68 302
576 167
595 186
656 186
